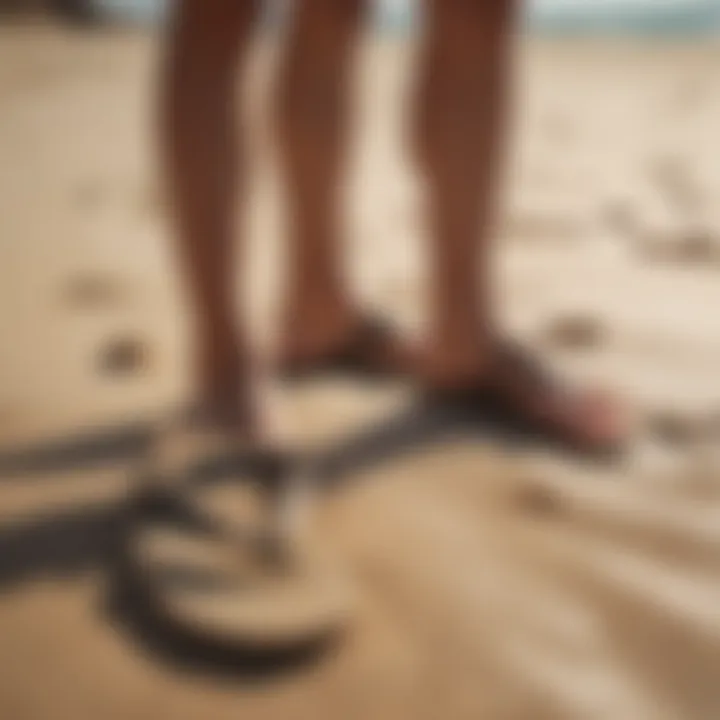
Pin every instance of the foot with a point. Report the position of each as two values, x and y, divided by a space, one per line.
514 388
225 394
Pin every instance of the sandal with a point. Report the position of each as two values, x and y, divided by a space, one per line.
373 351
216 552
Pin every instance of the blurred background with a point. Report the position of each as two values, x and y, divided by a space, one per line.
637 16
495 584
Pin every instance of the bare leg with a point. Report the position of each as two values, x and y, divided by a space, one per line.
459 134
313 114
199 143
460 125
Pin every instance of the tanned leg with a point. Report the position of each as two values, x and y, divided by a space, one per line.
313 120
460 134
203 169
461 124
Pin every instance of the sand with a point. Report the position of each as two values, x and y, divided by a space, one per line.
496 583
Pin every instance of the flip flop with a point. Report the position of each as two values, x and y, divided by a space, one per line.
370 353
480 401
224 562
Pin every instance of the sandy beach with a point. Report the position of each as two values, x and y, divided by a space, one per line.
496 583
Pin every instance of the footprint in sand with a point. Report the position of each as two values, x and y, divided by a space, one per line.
123 356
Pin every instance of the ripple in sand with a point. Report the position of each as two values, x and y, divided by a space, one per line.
123 355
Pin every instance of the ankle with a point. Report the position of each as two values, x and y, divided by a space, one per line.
221 368
311 328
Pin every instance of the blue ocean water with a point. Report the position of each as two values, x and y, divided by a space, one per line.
563 16
643 16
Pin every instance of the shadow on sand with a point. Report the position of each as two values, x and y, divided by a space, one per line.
67 544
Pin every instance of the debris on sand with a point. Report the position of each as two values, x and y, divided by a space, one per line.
123 355
697 246
694 246
676 428
575 332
